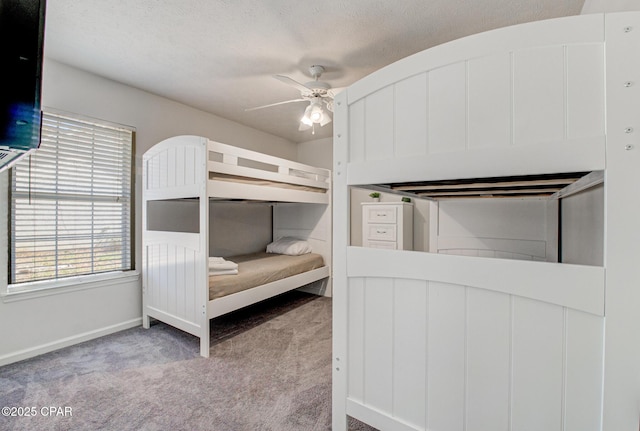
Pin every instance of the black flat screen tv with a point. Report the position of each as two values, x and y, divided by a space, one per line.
21 48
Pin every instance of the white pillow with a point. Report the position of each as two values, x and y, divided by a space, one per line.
289 245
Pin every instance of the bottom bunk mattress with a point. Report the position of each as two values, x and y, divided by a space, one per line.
261 268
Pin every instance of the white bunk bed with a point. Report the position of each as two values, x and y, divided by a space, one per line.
182 177
453 340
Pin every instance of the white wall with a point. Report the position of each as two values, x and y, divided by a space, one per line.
36 325
598 6
317 153
239 228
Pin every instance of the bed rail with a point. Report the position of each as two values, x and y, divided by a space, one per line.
230 160
238 173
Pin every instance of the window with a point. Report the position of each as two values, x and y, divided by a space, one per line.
71 202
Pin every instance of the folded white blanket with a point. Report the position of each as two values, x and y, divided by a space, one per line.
223 272
219 263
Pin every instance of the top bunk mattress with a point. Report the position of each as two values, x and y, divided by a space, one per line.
263 182
261 268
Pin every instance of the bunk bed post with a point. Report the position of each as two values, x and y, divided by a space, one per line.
146 319
621 386
204 254
340 243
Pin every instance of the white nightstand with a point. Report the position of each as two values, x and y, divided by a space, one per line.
387 225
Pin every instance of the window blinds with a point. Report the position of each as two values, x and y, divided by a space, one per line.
71 202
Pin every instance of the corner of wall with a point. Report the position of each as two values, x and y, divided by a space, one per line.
318 153
601 6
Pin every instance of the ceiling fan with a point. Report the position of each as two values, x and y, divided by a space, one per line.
319 94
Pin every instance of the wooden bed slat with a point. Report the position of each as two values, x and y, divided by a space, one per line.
514 186
491 192
483 185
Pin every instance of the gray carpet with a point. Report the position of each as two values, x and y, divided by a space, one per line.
270 369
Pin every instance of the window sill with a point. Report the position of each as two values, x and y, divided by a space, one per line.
41 289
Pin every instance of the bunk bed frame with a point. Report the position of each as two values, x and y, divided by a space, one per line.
196 171
426 341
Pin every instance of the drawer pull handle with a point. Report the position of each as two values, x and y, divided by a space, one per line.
381 231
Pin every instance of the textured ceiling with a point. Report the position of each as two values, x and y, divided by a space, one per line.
219 55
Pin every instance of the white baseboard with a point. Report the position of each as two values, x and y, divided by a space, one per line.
68 341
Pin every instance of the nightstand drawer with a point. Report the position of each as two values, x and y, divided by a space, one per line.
380 214
388 245
381 232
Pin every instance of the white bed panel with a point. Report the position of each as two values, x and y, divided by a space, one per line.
488 360
377 418
538 99
582 155
583 380
537 95
170 280
579 287
447 109
492 247
564 31
430 355
409 350
378 344
502 228
255 165
355 329
379 137
490 85
174 171
586 109
493 218
446 357
411 125
538 363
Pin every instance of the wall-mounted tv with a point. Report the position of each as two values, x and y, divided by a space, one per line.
21 48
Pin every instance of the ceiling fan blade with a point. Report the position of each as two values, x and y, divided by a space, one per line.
293 83
333 92
276 104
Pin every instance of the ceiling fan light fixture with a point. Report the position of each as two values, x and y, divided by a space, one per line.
319 94
306 118
315 114
326 119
